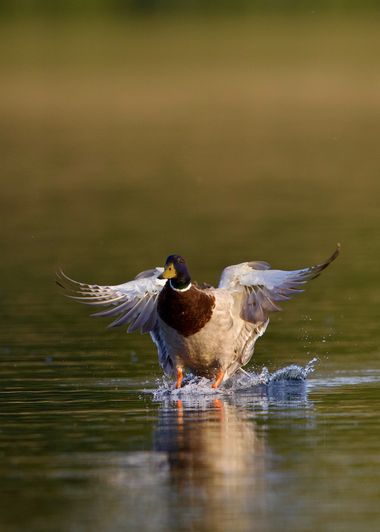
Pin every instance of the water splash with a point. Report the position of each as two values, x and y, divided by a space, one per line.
278 382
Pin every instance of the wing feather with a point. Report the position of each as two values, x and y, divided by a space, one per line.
140 319
133 302
263 286
113 311
130 315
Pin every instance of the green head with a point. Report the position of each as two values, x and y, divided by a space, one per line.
176 270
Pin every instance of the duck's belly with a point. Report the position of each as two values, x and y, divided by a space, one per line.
226 342
203 352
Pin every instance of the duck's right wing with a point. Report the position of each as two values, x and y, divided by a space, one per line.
264 287
134 302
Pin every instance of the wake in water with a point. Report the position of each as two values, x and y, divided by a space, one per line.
281 384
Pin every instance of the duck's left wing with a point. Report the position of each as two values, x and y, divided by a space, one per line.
264 287
134 302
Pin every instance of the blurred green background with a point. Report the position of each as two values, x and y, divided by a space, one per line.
128 7
223 138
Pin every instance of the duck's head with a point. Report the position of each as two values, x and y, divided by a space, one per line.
176 270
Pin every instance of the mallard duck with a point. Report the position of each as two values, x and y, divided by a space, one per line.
209 331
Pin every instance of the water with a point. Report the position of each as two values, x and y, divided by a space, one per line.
107 454
113 160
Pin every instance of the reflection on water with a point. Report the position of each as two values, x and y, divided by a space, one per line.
218 459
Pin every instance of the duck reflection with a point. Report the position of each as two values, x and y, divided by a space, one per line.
217 460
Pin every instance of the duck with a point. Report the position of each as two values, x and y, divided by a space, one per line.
208 331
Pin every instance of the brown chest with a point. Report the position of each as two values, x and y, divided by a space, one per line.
186 312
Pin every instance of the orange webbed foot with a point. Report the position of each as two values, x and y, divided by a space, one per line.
219 379
178 383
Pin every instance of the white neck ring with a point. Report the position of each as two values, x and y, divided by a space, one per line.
180 289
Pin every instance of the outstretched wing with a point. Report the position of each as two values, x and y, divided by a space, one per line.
264 287
134 302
